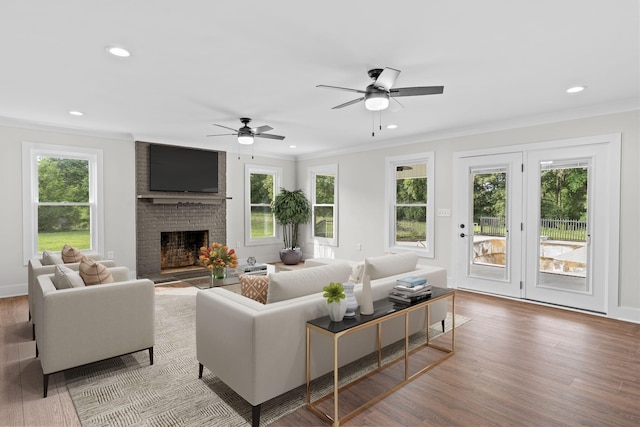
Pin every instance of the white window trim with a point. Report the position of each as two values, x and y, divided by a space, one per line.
277 180
324 170
390 190
30 153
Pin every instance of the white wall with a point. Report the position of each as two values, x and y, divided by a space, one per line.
235 206
361 191
119 199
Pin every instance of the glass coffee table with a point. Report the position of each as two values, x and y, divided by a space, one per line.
384 310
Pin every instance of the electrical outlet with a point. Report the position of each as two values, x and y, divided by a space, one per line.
358 246
444 212
237 244
110 255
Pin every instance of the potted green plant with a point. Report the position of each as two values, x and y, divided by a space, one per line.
336 301
291 208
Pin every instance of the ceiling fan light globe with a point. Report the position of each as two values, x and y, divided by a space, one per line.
245 139
376 101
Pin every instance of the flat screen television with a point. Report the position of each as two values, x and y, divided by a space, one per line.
182 169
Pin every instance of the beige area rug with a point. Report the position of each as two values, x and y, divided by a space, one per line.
127 391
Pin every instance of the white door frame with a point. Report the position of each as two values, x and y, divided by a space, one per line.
612 239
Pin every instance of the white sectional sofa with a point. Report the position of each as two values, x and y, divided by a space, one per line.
259 349
87 324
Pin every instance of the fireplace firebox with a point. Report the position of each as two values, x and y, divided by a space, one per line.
181 249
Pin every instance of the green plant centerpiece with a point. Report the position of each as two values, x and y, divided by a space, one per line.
290 209
336 301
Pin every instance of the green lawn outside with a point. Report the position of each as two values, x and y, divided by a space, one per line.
261 225
54 241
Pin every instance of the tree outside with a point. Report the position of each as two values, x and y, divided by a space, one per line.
64 212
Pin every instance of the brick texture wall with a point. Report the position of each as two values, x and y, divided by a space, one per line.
197 212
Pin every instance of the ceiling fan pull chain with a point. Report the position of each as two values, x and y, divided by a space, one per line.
373 125
380 120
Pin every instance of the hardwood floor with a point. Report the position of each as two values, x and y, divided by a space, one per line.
515 364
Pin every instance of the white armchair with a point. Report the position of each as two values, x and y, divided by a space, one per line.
36 268
82 325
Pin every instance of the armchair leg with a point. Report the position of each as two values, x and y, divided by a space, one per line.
29 314
45 383
33 331
37 351
442 325
151 355
255 416
200 368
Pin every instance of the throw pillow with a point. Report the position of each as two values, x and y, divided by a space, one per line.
254 286
66 278
94 273
51 258
389 265
71 254
306 281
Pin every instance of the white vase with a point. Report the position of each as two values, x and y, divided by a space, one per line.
366 303
337 310
352 303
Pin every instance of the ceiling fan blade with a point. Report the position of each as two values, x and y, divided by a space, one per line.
261 129
395 106
418 90
223 134
387 78
342 88
235 130
268 136
346 104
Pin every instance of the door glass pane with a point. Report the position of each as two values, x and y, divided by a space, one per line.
488 248
564 211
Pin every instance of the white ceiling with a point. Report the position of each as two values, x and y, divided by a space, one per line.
195 62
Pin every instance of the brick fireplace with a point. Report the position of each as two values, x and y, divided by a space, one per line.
171 227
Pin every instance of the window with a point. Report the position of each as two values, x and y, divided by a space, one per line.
62 198
262 183
410 204
324 204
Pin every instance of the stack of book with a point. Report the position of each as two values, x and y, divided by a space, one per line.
410 290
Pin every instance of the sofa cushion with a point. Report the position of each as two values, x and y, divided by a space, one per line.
389 265
65 278
51 258
254 286
71 254
305 281
94 273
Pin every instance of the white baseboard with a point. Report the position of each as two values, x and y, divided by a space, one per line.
7 291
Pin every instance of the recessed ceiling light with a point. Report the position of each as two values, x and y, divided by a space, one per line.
292 146
392 126
118 51
76 113
576 89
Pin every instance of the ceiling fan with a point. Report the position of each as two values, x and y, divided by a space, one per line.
246 134
377 94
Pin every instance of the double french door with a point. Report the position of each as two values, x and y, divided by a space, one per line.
532 224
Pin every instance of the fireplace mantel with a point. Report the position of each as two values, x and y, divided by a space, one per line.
173 199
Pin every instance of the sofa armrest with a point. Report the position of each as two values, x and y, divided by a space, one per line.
84 325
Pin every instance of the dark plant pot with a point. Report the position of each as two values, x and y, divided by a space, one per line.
291 256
